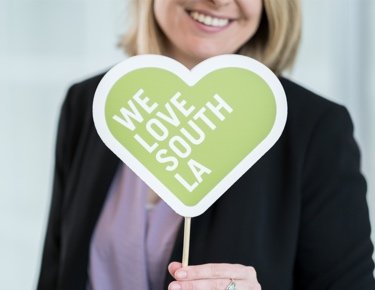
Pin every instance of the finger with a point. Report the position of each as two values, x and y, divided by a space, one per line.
212 284
215 271
173 267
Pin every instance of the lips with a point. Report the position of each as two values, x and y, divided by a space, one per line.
208 19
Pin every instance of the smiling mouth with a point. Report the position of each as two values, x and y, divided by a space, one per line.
209 20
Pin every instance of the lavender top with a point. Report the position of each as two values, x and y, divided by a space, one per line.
132 242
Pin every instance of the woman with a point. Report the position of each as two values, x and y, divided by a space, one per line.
297 220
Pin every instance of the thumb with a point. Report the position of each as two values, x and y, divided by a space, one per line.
173 267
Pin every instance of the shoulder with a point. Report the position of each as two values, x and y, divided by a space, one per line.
307 104
77 105
90 83
316 128
76 115
83 92
308 111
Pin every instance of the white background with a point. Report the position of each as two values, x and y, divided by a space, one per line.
47 45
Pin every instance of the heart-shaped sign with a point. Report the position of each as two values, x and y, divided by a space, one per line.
189 134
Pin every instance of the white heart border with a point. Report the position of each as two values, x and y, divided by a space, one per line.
190 77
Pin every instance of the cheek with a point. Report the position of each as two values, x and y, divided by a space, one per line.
159 10
252 9
156 9
254 14
164 15
259 12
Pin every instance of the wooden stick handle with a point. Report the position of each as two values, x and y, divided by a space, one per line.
185 252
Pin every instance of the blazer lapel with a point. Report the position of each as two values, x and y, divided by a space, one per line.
98 168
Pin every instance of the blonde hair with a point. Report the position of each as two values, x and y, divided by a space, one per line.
275 43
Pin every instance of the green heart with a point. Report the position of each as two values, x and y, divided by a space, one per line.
189 134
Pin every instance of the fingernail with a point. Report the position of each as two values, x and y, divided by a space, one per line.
175 286
181 274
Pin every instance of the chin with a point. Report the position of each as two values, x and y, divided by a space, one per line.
207 51
202 55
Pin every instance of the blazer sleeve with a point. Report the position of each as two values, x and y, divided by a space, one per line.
51 256
334 249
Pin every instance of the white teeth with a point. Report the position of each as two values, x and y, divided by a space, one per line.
209 20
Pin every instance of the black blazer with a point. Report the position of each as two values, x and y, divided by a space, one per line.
299 215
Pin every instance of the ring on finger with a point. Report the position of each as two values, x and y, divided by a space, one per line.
232 285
